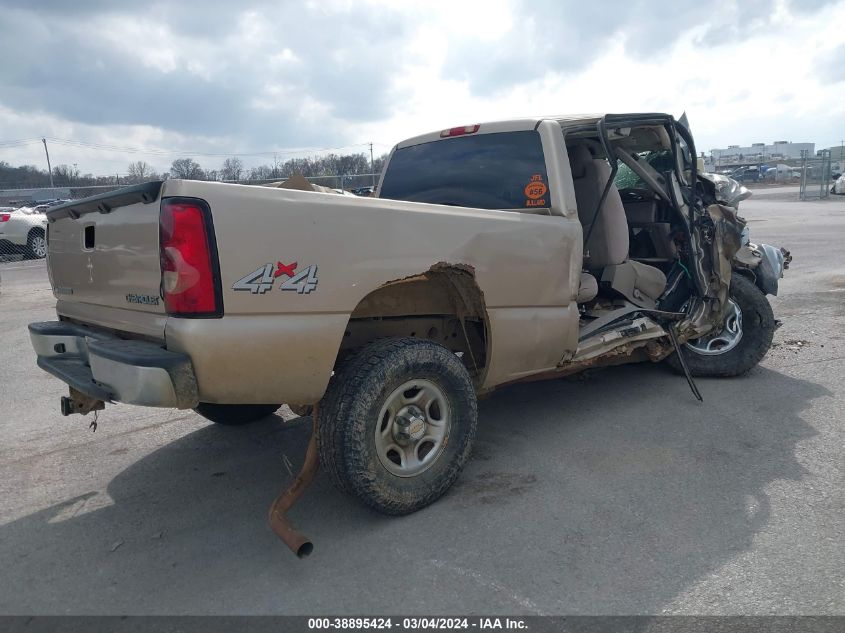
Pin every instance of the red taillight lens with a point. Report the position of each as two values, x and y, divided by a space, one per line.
4 217
460 131
190 277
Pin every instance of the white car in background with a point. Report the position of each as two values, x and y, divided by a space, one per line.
23 231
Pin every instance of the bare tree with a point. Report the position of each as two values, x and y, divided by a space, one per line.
329 165
232 168
262 172
187 169
141 171
65 175
378 163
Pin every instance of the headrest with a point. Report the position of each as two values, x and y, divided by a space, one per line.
579 158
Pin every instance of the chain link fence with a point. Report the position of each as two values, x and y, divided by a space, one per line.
816 176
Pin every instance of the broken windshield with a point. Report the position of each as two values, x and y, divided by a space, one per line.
627 178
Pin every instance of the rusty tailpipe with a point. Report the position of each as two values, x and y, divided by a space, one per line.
295 540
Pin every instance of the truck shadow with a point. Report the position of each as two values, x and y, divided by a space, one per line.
606 495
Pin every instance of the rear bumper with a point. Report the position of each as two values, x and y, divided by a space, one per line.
107 368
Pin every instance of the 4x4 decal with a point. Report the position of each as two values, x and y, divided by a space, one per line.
261 279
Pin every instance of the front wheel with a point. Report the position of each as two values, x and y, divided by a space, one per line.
235 414
397 423
740 344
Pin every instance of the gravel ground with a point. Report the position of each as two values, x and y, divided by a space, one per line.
616 493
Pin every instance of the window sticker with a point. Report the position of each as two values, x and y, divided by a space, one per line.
535 192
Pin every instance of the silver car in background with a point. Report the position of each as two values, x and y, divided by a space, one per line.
23 231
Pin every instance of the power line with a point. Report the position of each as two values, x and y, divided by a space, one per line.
20 142
161 152
167 152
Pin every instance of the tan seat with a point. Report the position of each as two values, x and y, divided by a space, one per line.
606 253
588 288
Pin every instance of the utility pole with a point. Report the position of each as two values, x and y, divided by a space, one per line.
372 167
49 169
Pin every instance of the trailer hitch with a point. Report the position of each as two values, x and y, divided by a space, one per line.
78 402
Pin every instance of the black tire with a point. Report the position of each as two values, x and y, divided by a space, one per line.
235 414
758 328
36 245
349 414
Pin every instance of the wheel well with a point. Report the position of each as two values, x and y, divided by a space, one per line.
443 304
34 230
745 272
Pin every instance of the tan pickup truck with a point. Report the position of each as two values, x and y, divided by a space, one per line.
491 254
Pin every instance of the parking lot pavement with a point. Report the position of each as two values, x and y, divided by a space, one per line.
616 493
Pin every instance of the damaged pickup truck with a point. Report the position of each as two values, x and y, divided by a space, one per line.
492 254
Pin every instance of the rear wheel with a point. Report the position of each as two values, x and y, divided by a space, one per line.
740 344
36 245
235 414
397 424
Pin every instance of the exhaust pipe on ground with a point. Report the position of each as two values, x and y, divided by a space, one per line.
298 543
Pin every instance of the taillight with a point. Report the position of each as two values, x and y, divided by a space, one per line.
190 274
4 217
460 131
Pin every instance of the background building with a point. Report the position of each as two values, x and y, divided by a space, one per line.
837 152
779 151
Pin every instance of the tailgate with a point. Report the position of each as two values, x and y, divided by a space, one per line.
104 250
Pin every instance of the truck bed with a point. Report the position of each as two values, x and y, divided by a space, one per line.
294 265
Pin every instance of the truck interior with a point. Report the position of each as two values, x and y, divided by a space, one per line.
630 231
627 189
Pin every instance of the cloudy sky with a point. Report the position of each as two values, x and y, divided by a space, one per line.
117 81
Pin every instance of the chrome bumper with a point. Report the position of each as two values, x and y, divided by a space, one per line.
111 369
